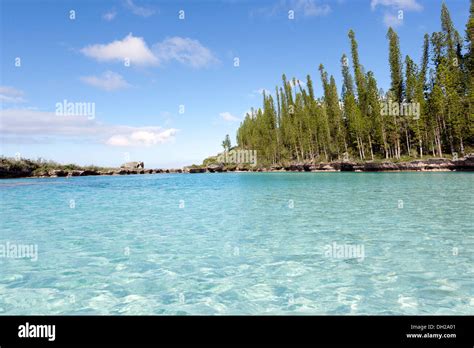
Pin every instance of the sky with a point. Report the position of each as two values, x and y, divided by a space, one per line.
106 82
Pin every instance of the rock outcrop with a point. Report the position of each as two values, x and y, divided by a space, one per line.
57 173
215 168
195 170
133 165
89 173
75 173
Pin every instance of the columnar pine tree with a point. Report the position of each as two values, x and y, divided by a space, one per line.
364 122
396 93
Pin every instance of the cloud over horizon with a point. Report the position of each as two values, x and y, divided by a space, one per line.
11 95
133 48
32 126
306 8
138 10
409 5
146 136
186 51
109 16
392 8
108 81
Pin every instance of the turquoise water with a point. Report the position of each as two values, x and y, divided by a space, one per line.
240 243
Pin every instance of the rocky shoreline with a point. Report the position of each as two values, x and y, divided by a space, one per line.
433 164
60 173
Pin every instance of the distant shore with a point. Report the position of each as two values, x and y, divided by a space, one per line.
432 164
29 169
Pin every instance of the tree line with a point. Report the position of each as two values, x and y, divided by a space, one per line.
428 109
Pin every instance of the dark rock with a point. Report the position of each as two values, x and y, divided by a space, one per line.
215 168
197 170
465 164
58 173
89 172
378 166
242 168
75 172
42 174
327 167
347 166
230 168
307 167
295 167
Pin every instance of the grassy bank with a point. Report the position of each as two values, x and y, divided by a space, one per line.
22 167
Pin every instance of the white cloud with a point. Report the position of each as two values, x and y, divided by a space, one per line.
29 122
146 137
227 116
391 20
133 48
11 95
108 81
409 5
118 140
310 8
138 10
109 16
184 50
32 126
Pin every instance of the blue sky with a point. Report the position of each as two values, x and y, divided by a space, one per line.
187 63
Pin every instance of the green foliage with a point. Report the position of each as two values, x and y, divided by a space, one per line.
226 144
295 125
21 167
209 160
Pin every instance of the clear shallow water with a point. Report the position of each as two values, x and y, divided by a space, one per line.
240 244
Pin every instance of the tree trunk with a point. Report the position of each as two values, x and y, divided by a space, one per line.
371 150
421 148
408 141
